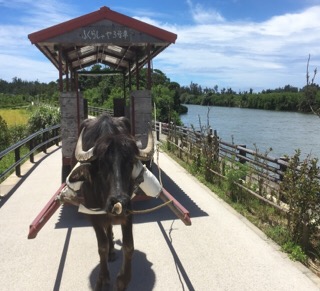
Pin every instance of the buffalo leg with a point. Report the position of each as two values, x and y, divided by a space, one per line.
103 250
112 254
124 275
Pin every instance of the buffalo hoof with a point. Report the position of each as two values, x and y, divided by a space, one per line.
102 285
121 283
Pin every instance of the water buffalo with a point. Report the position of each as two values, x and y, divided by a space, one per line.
107 154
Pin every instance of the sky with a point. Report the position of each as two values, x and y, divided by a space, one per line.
238 44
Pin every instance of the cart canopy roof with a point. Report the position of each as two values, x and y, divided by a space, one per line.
107 37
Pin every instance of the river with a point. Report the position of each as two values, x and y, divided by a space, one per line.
284 132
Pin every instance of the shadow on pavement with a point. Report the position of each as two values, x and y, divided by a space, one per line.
23 177
143 277
165 213
69 216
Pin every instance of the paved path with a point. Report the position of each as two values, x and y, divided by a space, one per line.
220 251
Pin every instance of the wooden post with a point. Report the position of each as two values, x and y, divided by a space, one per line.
209 137
149 69
60 70
78 100
137 73
180 145
283 167
215 146
242 153
175 138
124 86
129 77
67 77
209 158
157 128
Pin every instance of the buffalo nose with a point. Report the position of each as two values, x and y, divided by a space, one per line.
117 208
117 205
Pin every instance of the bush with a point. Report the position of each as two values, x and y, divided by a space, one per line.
295 252
42 117
17 133
235 173
300 187
4 134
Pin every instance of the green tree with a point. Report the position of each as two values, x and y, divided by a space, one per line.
43 117
163 98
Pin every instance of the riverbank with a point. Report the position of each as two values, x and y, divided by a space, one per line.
283 132
282 99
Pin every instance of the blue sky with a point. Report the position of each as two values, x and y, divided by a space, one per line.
241 44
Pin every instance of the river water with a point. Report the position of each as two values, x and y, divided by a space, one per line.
284 132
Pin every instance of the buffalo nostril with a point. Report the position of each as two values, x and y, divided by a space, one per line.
117 208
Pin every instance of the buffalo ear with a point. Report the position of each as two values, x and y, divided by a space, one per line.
80 173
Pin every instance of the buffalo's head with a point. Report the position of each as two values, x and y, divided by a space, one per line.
106 169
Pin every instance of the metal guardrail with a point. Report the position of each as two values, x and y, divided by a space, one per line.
34 144
95 111
266 172
38 140
188 140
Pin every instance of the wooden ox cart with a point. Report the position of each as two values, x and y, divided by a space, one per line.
125 45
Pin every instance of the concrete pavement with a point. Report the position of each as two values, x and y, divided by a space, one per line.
220 251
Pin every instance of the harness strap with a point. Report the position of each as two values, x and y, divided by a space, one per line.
99 211
144 211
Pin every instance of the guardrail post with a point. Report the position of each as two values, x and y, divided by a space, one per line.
17 158
56 133
44 138
242 153
31 144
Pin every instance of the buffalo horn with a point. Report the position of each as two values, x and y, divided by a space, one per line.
146 153
80 154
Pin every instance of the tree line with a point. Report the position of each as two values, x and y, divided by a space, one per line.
99 90
19 93
168 96
288 98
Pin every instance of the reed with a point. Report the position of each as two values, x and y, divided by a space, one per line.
15 116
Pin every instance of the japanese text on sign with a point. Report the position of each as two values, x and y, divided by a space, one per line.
95 34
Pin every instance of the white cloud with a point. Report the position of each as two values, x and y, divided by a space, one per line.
204 15
26 68
242 55
17 56
39 14
147 20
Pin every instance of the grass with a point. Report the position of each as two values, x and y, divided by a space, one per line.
9 160
15 116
